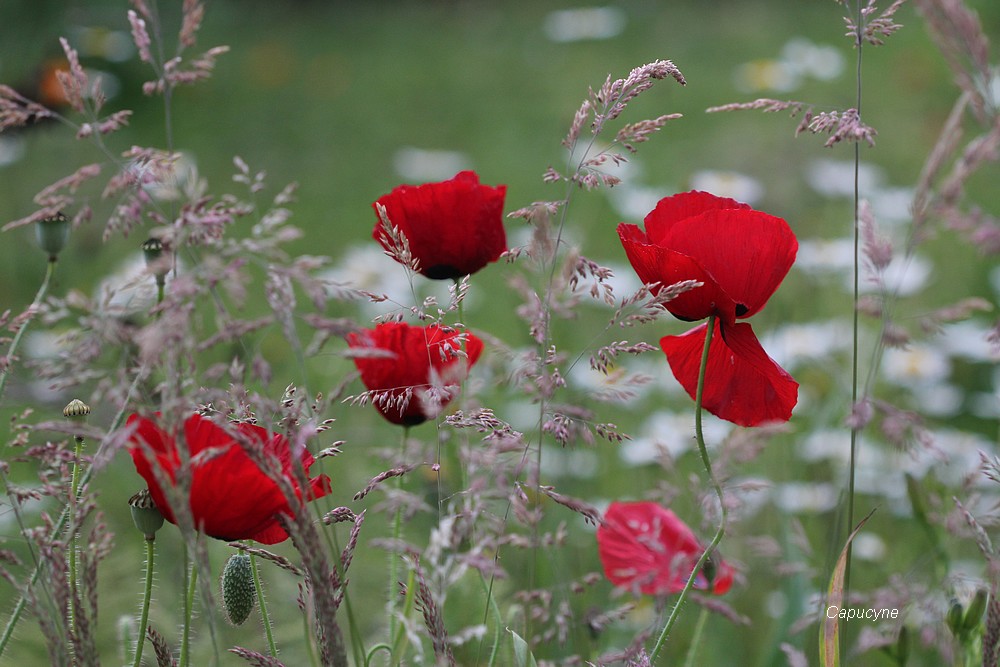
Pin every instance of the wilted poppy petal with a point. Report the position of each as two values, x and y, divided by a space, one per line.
654 263
742 384
747 253
454 227
671 210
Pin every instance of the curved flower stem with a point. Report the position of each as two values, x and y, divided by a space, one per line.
146 596
265 619
700 437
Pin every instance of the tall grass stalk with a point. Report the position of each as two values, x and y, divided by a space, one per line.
855 429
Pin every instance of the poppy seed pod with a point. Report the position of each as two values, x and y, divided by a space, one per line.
76 410
52 234
157 259
145 516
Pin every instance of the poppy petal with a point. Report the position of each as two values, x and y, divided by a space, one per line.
220 512
742 384
655 263
679 207
747 253
416 368
230 497
453 228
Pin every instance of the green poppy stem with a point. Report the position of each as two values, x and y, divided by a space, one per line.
699 628
703 451
146 597
265 619
397 530
73 546
192 583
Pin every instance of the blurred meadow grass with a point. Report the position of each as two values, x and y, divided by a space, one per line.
328 94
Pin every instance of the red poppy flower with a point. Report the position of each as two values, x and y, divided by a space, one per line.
646 548
231 498
414 370
454 228
740 256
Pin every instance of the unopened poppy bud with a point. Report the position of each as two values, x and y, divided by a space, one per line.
52 234
146 517
76 410
238 593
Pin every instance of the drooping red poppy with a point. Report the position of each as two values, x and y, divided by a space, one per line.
416 371
231 498
740 256
454 228
646 548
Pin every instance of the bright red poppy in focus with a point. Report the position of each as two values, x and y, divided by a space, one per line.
416 371
644 547
231 498
741 256
454 228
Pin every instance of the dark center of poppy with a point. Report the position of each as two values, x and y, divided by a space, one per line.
413 420
741 310
442 272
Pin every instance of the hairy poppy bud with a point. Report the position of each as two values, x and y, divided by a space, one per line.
238 593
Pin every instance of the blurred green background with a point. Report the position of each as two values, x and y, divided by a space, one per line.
349 99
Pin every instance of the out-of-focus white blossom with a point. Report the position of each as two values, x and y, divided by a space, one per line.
420 165
584 23
733 184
